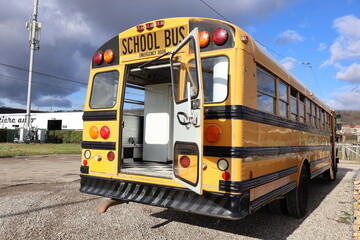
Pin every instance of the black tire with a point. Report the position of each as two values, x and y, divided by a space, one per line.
330 174
297 199
278 207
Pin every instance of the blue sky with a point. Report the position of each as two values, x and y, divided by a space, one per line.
325 33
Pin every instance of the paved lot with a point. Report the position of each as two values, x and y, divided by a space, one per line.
39 199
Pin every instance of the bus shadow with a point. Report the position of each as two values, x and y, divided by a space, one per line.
261 224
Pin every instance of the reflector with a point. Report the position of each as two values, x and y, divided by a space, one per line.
212 133
225 175
220 36
111 156
185 161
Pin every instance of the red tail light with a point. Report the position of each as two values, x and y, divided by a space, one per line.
105 132
185 161
98 57
220 36
85 162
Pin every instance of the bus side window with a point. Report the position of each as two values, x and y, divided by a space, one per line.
215 71
265 91
308 112
302 108
293 104
283 99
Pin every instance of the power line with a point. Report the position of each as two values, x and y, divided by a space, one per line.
23 80
215 11
43 74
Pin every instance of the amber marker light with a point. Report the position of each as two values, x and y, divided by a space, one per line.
94 132
109 56
204 39
212 133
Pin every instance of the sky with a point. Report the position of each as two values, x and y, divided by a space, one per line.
323 33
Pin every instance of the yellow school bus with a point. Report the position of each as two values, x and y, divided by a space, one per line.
192 114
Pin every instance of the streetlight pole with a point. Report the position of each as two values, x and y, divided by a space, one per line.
34 38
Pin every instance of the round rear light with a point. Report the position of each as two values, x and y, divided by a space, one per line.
225 175
94 132
85 162
204 39
87 154
220 36
185 161
222 164
98 57
111 156
109 56
105 132
212 133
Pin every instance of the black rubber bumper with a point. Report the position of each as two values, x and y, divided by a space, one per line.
212 204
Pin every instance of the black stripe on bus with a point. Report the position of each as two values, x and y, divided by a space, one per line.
245 113
316 162
240 186
98 145
319 171
267 198
106 115
244 152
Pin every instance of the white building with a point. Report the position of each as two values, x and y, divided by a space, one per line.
47 121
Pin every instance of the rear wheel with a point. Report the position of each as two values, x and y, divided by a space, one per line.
278 207
330 174
296 200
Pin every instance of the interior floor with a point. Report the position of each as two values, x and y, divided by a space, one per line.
157 169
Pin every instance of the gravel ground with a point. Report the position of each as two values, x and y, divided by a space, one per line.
42 207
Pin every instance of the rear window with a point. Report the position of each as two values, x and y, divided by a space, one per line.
104 90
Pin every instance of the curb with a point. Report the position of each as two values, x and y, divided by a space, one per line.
356 205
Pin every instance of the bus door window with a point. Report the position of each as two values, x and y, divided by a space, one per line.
104 90
266 91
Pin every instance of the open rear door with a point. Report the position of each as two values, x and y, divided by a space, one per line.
188 113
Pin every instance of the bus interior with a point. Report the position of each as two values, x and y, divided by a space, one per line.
147 117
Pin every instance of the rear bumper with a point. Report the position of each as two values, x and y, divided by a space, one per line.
212 204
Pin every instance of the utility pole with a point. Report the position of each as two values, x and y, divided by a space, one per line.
34 28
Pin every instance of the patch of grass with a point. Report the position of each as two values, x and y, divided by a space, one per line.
345 218
23 149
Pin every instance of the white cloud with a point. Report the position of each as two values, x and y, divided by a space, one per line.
346 98
350 74
289 36
347 45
